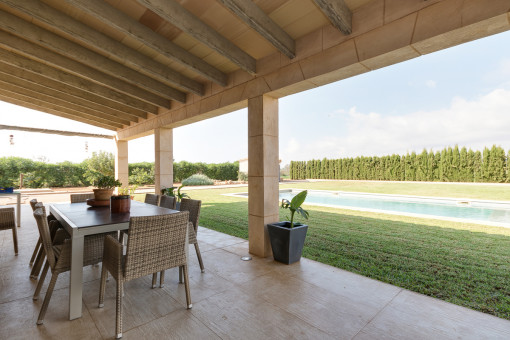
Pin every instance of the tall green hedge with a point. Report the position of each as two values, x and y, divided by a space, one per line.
447 165
66 174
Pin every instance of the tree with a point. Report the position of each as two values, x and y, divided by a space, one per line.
455 167
463 165
477 167
101 163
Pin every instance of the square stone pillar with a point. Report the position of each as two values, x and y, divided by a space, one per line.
263 172
163 162
121 162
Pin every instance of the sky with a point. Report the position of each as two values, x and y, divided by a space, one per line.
460 95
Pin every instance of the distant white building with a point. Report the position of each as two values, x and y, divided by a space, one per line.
243 165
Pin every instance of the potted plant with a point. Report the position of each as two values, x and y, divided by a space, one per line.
121 203
105 186
288 238
178 195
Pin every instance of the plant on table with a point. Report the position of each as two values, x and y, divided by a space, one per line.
288 238
105 186
127 191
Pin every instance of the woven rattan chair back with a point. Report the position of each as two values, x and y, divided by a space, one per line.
32 203
167 202
155 243
152 199
44 232
78 198
7 218
193 206
7 222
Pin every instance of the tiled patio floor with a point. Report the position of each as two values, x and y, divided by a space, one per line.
233 299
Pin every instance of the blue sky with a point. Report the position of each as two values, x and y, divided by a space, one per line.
456 96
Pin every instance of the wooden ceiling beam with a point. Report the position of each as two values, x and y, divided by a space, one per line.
338 14
32 106
80 104
61 103
254 17
180 17
111 16
94 101
54 42
72 80
111 47
38 53
43 103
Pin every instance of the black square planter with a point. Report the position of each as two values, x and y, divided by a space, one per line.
286 243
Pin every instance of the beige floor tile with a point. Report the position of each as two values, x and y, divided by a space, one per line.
230 266
415 316
340 316
141 304
18 320
202 285
237 315
180 324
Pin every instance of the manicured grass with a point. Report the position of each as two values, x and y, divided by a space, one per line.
479 191
466 264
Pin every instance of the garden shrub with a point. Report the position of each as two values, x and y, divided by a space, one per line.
197 179
242 176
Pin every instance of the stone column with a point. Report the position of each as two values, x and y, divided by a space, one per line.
263 170
163 162
121 162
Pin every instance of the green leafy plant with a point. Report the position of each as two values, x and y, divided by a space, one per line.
130 190
107 182
242 176
171 192
294 205
198 179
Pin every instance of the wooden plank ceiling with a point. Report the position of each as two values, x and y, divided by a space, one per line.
113 63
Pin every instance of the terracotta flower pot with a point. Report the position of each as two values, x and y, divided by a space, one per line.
103 194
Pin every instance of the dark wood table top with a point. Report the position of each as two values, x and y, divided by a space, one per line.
82 216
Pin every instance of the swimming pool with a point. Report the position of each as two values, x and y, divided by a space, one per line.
465 210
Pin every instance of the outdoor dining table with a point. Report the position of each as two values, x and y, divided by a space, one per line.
79 220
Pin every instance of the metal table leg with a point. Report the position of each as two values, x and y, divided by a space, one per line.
76 277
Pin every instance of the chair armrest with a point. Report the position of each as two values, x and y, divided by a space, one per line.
112 256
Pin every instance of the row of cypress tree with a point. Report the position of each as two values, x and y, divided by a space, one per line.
447 165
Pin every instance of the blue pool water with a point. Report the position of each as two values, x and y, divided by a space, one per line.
498 214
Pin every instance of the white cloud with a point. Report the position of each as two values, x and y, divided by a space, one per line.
472 123
430 84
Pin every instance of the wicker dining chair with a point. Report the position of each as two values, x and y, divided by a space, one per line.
39 255
38 245
151 199
7 222
58 258
193 207
79 198
155 243
167 202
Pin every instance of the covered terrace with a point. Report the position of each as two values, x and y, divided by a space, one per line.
141 67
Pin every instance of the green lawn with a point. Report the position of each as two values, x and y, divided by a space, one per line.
466 264
479 191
